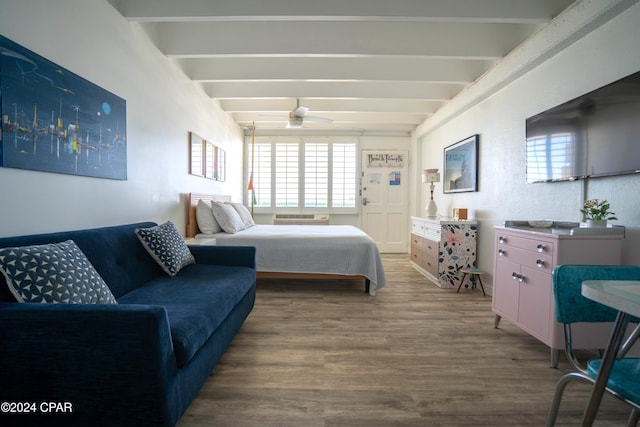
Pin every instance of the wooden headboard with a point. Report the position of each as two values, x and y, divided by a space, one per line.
192 223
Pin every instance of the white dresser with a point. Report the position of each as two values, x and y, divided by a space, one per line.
440 248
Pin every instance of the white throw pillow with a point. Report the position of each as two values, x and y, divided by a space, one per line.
227 217
244 213
206 221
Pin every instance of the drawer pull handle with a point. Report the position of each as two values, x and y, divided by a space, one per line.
540 247
501 252
540 263
502 239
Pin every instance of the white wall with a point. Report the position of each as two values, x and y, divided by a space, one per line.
91 39
602 56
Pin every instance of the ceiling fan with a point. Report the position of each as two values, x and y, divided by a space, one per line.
299 115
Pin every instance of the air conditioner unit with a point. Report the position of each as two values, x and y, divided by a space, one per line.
301 219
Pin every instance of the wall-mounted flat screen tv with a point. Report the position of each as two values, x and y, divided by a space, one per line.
594 135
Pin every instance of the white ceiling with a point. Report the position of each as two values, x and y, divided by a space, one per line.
375 67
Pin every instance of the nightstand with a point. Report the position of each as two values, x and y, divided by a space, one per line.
202 241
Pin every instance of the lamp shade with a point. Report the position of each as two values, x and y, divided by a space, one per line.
430 175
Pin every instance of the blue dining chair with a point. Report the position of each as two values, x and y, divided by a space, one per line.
572 307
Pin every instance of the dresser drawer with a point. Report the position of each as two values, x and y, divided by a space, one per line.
432 231
430 264
416 250
430 248
417 227
534 245
526 258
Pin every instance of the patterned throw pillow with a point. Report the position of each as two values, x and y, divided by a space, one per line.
165 244
53 273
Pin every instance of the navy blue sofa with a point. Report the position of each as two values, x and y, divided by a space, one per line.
139 362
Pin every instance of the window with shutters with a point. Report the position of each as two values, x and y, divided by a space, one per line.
287 176
306 174
316 175
344 185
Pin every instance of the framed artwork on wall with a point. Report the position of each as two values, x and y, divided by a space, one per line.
196 146
221 164
461 166
209 160
206 159
55 121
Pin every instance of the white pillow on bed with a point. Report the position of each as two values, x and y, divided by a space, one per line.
244 213
206 221
227 217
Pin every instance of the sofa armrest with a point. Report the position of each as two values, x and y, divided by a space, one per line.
236 256
109 362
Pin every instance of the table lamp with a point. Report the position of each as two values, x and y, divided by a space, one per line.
431 176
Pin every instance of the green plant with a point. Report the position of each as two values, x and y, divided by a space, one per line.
597 210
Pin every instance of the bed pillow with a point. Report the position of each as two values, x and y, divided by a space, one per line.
205 219
53 273
244 213
165 244
227 217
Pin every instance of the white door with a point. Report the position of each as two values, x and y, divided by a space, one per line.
385 203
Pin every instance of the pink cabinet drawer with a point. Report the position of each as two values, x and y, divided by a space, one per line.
535 245
536 260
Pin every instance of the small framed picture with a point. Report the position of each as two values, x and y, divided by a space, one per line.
461 166
196 158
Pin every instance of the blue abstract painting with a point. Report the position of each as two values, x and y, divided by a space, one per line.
55 121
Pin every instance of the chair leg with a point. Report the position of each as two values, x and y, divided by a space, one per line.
633 418
461 282
557 398
481 287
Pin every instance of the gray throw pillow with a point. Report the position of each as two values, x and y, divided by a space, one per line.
53 273
227 217
165 244
244 213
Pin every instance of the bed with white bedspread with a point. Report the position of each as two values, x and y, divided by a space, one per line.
303 251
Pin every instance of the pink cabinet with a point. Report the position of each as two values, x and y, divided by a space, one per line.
523 288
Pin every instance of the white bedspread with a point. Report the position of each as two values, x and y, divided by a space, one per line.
325 249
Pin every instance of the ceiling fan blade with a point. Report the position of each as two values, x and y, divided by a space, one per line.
300 111
299 115
317 119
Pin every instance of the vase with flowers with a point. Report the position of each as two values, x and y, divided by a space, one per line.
596 213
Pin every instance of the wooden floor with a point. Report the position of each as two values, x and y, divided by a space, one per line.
327 354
